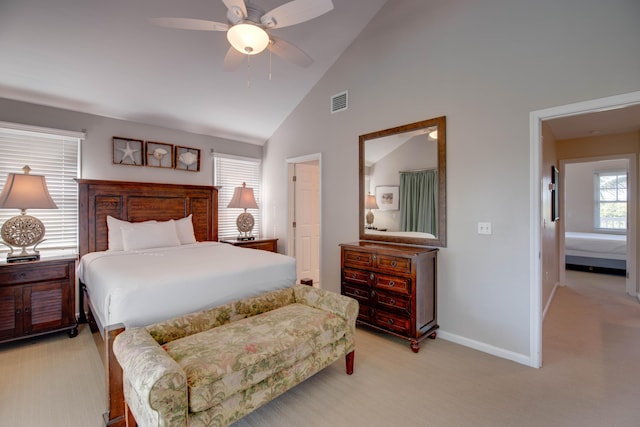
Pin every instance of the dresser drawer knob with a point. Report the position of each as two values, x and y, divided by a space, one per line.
357 258
390 321
372 276
393 263
392 284
392 301
357 292
22 275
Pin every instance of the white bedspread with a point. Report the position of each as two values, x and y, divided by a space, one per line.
138 288
596 245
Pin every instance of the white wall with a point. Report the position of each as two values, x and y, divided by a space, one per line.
97 157
485 64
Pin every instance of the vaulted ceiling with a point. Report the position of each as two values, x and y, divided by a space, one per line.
108 58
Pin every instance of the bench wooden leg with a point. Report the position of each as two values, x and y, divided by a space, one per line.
349 359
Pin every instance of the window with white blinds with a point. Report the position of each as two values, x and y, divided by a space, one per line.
230 172
54 154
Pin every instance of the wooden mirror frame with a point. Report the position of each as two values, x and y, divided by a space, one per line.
441 238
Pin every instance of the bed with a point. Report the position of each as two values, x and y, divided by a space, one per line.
140 281
596 252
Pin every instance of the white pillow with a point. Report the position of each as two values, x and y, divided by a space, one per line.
149 234
114 236
184 227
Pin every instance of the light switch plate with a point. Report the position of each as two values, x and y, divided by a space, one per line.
484 228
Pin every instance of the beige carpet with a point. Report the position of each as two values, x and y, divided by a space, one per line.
590 377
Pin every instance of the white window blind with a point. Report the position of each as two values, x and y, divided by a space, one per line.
54 154
230 172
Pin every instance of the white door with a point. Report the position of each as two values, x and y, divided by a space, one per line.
305 221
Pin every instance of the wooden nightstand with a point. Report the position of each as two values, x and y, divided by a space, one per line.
37 297
263 244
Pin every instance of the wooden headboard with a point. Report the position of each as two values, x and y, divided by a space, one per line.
141 201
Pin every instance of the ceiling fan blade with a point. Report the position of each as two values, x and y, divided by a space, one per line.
295 12
290 52
233 59
190 24
237 10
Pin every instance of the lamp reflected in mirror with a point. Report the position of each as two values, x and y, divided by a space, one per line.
24 191
370 203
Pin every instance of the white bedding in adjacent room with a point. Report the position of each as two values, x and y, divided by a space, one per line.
596 245
138 288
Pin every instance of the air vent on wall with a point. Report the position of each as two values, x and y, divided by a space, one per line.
339 102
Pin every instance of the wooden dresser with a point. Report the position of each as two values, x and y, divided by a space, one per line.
395 286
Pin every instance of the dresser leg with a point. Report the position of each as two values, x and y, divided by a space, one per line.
415 346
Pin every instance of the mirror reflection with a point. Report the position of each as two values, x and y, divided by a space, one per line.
402 184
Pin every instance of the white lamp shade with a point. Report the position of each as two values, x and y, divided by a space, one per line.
247 38
243 198
370 202
26 192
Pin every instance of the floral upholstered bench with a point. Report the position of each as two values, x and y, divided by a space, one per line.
212 367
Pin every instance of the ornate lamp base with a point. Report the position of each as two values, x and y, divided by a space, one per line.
245 224
20 232
369 219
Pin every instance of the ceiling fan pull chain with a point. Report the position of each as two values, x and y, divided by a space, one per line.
270 59
248 70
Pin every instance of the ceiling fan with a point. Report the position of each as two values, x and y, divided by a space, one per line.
247 28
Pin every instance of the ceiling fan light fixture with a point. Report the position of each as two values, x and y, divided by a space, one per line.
248 39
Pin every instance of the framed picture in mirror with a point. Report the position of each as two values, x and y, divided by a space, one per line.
388 197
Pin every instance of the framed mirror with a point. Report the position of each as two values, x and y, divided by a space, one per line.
403 184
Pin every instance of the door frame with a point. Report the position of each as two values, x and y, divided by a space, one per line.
290 244
535 183
631 285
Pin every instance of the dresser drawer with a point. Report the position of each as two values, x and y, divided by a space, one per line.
401 285
365 314
25 273
362 295
358 259
392 322
394 264
390 301
357 277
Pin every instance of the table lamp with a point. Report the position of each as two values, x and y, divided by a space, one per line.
243 198
24 191
370 203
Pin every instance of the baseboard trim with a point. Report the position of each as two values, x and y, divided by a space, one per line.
486 348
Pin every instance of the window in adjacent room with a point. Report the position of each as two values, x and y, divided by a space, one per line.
229 172
56 155
611 200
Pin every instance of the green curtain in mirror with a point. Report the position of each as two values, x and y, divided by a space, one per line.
418 201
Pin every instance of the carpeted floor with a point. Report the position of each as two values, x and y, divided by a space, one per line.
591 349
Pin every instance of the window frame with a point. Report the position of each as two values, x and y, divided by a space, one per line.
61 225
597 200
229 172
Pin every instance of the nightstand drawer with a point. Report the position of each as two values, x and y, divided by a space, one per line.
14 274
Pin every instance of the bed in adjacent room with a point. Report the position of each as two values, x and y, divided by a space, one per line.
149 252
596 252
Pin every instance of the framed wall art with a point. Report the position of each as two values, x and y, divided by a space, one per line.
554 186
127 151
159 154
387 197
187 159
